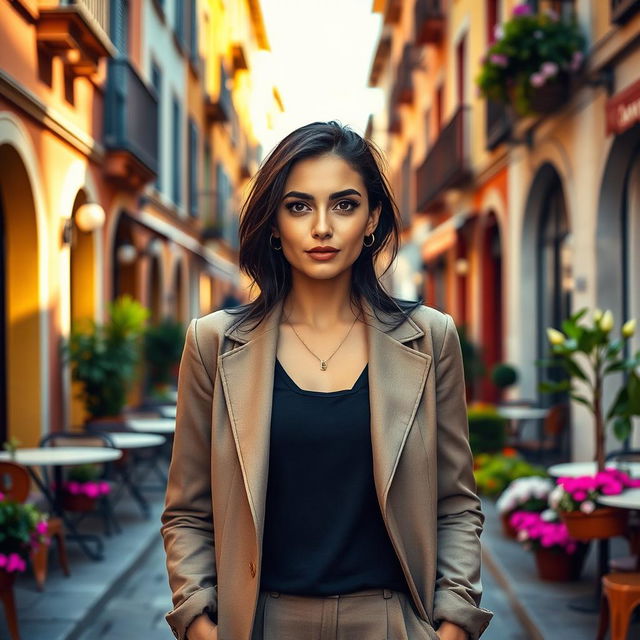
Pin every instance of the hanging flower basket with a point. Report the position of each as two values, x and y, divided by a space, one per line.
530 65
554 565
82 496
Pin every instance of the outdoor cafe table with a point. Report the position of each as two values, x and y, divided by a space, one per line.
58 457
163 426
628 499
125 441
574 470
168 411
518 414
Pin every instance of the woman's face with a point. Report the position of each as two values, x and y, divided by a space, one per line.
324 204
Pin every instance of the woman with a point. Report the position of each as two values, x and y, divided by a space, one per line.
321 481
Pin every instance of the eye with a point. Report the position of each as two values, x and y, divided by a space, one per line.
351 203
291 206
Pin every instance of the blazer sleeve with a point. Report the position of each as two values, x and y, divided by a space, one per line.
458 588
187 518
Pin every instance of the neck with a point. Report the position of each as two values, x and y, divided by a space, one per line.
319 304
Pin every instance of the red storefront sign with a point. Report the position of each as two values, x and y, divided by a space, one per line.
623 110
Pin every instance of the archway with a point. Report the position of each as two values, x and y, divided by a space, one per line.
20 339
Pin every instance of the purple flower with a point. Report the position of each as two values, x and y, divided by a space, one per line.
576 61
522 10
499 59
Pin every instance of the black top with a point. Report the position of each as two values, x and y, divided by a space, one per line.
324 533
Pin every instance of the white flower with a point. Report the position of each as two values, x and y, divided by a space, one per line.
549 515
629 328
555 496
587 506
498 32
522 535
597 314
555 336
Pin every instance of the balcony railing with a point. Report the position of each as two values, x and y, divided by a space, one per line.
404 84
623 10
447 163
498 124
77 31
131 126
429 21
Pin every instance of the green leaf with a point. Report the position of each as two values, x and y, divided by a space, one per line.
622 428
582 400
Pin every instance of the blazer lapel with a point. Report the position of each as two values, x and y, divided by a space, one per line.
397 375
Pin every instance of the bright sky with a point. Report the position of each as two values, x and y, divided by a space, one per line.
321 55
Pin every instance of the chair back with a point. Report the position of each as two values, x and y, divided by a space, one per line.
15 482
629 455
555 421
76 439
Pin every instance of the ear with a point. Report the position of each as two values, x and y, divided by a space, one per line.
372 223
274 230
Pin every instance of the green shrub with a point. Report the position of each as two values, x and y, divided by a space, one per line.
487 429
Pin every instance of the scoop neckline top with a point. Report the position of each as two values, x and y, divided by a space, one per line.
291 383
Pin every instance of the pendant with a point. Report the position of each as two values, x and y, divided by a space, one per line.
323 365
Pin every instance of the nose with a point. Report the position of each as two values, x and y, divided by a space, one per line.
321 226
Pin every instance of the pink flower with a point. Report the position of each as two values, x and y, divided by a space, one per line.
612 489
105 487
3 560
522 10
537 79
576 61
15 563
1 495
499 59
42 527
587 507
549 69
580 495
91 489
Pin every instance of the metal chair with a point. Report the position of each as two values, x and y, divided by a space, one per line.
15 483
78 439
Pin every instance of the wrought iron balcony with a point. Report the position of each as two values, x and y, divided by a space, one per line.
447 163
429 21
78 32
498 124
623 10
131 127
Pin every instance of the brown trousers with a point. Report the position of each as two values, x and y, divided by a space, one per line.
372 614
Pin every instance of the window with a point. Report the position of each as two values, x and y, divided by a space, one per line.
193 30
493 20
179 20
461 72
224 212
156 82
176 152
193 168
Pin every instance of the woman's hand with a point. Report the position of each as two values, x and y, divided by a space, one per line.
449 631
202 629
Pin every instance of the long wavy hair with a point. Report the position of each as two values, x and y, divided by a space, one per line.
269 269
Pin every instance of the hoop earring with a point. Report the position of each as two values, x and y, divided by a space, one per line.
373 239
271 243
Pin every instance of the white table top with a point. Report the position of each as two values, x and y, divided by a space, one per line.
575 469
168 411
628 499
152 425
523 413
60 456
126 440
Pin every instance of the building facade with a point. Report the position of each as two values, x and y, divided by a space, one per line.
110 143
517 221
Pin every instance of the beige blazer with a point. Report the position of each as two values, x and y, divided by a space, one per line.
212 523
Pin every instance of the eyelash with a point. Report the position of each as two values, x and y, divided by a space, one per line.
353 204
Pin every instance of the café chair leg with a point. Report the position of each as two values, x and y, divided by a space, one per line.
603 620
622 591
9 603
40 555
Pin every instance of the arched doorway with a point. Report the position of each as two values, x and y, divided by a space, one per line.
21 348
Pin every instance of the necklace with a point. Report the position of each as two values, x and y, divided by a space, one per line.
323 363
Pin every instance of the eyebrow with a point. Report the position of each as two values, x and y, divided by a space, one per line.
333 196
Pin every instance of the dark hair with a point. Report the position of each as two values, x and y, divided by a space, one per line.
269 269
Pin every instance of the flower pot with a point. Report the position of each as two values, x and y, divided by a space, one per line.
78 502
604 522
558 566
7 578
507 529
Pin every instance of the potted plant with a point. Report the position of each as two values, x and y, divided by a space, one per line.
529 493
83 487
589 354
530 64
163 345
575 501
494 472
487 428
559 556
23 528
504 375
104 357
